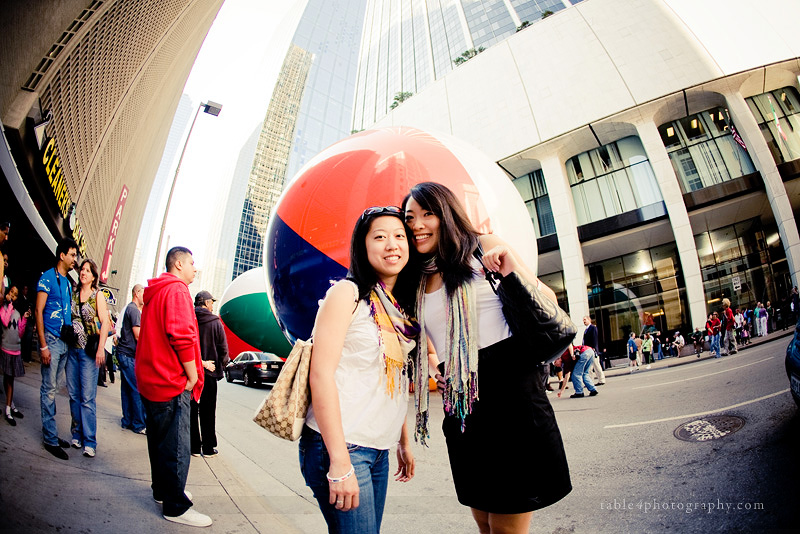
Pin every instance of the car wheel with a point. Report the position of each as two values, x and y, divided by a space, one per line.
247 380
228 376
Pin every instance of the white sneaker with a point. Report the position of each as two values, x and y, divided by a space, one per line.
191 518
648 367
76 444
185 492
89 452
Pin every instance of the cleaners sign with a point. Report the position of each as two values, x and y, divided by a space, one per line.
112 235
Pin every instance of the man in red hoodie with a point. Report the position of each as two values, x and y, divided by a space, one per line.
168 373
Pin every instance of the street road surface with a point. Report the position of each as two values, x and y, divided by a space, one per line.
629 472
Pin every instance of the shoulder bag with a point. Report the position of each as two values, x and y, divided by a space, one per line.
283 411
544 328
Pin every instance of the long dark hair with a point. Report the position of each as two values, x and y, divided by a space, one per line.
363 274
457 238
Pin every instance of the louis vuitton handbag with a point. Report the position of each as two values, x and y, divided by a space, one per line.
544 327
283 412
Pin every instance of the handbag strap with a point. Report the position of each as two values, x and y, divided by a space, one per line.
493 277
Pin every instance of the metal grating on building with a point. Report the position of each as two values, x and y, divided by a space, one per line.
112 92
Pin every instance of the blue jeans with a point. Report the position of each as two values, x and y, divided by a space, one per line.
169 451
50 376
580 375
132 409
82 386
372 471
715 345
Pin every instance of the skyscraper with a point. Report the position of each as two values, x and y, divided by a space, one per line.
409 44
310 108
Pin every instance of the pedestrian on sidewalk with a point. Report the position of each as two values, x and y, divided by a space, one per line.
5 228
677 344
632 352
169 374
763 319
697 340
647 350
580 375
729 341
87 355
14 320
54 328
712 329
214 354
567 364
591 339
128 339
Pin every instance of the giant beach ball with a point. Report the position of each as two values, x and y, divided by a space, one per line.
308 237
247 316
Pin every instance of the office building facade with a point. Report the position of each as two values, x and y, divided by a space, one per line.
310 109
658 153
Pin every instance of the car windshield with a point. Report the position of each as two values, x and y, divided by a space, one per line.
268 357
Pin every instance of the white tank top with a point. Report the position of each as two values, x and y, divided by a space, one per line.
492 326
370 417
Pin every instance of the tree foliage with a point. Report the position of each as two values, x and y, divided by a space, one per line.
466 55
400 98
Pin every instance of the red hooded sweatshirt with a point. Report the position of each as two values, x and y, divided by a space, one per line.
168 335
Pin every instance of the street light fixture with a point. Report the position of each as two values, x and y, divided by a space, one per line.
212 108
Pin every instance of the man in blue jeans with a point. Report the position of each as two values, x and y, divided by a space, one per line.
580 375
132 409
53 311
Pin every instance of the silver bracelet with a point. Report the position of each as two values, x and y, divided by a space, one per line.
341 478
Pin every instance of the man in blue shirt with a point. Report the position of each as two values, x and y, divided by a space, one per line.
53 311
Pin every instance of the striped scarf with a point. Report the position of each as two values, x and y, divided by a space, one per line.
396 334
461 363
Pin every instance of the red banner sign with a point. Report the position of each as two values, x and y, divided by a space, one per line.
112 235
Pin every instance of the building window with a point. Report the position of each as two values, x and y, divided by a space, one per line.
611 180
778 115
703 151
555 281
744 262
638 292
533 190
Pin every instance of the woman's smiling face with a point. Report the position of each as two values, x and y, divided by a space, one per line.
425 227
387 247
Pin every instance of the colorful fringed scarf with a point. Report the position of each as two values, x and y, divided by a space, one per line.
396 332
461 361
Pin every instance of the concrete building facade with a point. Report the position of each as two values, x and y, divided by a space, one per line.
89 92
656 145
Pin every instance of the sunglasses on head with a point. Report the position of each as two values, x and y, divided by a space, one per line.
377 210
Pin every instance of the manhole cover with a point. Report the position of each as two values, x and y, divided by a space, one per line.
708 428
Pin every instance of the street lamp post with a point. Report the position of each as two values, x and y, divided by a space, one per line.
212 108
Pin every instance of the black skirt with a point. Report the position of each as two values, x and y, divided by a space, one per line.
510 458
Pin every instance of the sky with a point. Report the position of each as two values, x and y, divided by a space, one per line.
237 67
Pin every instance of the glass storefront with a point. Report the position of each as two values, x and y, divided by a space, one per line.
641 291
703 151
744 262
778 115
533 190
610 180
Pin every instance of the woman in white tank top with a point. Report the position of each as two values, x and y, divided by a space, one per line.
358 378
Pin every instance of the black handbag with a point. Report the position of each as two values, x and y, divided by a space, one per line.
544 327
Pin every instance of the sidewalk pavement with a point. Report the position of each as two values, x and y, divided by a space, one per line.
111 492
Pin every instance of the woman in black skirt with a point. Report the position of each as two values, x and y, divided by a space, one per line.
498 424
